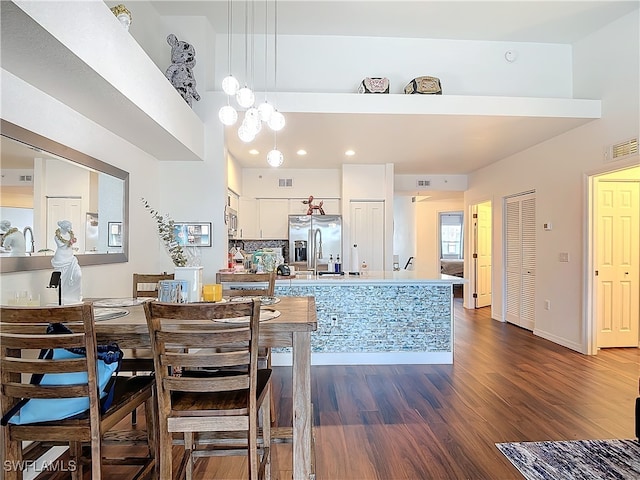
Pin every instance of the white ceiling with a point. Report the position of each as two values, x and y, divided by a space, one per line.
416 144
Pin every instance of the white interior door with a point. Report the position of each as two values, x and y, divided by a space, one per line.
483 255
617 251
65 208
367 231
520 260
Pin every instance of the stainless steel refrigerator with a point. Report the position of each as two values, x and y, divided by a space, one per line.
314 238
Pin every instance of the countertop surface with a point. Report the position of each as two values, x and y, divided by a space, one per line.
406 277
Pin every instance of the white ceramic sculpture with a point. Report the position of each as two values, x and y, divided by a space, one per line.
13 239
65 262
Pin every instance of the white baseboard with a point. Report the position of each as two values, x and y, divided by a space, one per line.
280 359
559 340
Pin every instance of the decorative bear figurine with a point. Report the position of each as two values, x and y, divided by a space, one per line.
180 73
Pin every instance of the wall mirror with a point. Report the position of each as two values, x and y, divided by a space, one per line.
44 182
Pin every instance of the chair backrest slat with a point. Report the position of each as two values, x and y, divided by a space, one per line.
213 360
20 390
229 280
43 366
199 338
39 341
216 384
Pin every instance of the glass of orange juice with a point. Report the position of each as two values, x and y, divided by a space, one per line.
212 292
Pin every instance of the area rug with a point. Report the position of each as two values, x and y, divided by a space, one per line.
575 460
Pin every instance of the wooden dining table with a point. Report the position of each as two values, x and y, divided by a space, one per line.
291 329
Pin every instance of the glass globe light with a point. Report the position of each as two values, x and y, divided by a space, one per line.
230 85
275 158
253 126
252 115
276 121
245 134
245 97
266 110
228 115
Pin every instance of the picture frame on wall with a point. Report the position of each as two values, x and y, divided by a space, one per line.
193 234
114 238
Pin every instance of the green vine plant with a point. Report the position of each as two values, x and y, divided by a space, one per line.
165 226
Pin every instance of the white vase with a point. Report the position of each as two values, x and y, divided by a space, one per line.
194 276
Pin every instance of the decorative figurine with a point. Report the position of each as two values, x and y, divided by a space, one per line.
13 239
65 262
313 207
122 14
180 73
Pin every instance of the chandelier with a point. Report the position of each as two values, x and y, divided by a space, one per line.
254 116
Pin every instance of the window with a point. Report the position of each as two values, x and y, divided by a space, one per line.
451 235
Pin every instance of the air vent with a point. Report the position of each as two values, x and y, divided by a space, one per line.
285 182
423 183
25 178
622 150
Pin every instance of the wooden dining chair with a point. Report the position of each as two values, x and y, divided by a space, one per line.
143 283
227 396
23 335
262 284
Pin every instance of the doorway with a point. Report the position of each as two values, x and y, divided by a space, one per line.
481 263
614 250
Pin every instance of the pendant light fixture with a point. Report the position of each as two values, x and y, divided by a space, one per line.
276 119
275 157
227 114
265 108
245 96
254 116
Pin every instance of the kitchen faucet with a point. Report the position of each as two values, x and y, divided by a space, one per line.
32 249
317 249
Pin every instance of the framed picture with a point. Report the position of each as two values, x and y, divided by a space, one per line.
194 234
114 234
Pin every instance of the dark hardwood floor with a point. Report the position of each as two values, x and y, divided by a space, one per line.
442 421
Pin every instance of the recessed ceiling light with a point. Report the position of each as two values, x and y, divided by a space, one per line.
253 151
349 153
301 152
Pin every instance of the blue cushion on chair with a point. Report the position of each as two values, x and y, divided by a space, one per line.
48 409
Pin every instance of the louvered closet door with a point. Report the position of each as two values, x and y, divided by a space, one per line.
520 262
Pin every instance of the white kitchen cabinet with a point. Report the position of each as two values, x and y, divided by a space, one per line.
273 218
233 201
331 206
367 231
296 207
247 218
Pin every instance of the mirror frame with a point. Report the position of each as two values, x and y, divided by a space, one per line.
28 263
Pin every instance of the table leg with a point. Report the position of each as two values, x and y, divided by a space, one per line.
301 405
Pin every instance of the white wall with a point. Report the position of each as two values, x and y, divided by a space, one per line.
556 170
197 191
427 258
263 183
30 108
334 64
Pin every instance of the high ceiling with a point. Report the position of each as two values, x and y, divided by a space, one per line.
456 144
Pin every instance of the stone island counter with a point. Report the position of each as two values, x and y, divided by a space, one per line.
381 318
